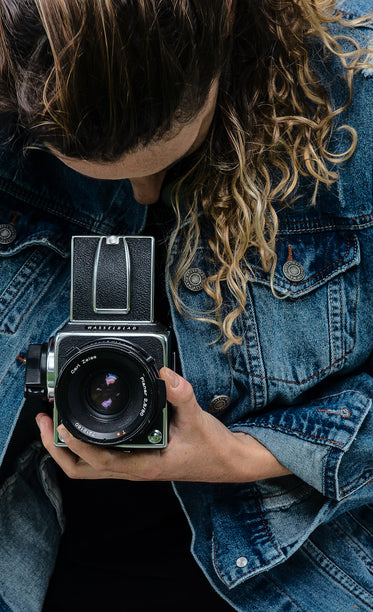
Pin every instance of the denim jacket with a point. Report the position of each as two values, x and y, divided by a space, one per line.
301 382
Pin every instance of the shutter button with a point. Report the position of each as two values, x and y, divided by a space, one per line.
293 271
7 233
193 279
219 403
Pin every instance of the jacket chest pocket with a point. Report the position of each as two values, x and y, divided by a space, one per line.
294 340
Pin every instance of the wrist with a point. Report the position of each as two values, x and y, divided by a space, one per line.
251 461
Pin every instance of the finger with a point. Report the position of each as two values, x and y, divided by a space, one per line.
86 461
114 462
104 461
181 395
73 465
65 459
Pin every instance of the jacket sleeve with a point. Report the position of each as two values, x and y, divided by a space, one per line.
326 442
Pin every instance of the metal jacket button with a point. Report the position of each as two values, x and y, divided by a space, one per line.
241 562
219 403
7 233
293 271
193 279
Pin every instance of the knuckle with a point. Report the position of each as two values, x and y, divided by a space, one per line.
72 472
189 392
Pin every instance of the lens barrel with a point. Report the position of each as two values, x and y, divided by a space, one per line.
109 392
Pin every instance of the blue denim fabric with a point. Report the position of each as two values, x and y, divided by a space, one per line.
301 382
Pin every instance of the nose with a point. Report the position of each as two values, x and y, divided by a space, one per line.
147 189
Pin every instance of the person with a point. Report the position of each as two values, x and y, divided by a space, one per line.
239 134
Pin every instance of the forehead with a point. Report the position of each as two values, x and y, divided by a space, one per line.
155 157
146 160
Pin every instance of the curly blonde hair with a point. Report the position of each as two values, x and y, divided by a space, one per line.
273 124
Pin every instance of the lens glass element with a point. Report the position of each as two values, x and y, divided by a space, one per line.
107 392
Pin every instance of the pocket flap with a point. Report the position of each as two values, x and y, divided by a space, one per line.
305 262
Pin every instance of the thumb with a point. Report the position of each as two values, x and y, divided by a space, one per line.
179 393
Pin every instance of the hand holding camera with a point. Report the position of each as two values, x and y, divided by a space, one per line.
101 373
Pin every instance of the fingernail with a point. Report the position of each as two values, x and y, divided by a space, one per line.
63 433
173 378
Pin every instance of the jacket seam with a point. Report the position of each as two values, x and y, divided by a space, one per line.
283 493
299 227
30 198
8 303
334 577
356 483
258 567
351 543
330 366
32 330
360 524
258 352
293 431
270 579
43 289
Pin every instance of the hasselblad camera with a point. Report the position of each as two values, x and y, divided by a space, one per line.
100 370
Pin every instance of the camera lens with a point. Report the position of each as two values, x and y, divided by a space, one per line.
107 393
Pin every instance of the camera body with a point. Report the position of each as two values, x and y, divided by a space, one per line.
101 369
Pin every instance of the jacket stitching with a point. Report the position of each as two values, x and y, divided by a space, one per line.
283 492
36 323
302 227
32 256
331 477
326 397
336 362
258 352
301 434
343 340
258 567
230 375
353 485
318 224
250 363
270 579
7 304
360 524
43 290
326 570
29 197
265 525
323 270
352 544
332 322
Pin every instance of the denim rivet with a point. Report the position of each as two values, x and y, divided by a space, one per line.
241 562
193 279
345 412
219 403
7 233
293 271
